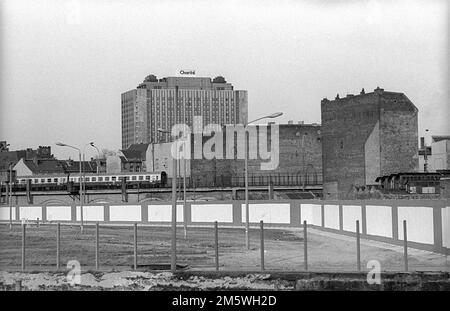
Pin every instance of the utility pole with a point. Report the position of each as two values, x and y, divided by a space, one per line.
425 157
10 196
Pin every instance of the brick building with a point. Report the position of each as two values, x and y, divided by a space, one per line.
299 159
366 136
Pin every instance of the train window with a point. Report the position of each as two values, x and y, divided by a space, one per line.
147 177
100 179
113 178
42 180
55 179
36 181
107 178
133 177
141 177
94 178
88 179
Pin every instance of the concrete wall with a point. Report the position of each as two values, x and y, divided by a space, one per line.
428 221
299 153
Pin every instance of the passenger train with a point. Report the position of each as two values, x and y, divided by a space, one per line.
155 179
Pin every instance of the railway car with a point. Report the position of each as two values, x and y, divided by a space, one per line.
89 179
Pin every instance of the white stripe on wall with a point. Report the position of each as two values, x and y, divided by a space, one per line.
164 212
124 213
212 212
312 213
419 223
30 212
379 220
350 214
269 213
446 227
4 213
92 213
59 213
331 213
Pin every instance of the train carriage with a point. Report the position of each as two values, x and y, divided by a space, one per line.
152 179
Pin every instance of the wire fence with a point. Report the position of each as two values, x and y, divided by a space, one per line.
98 249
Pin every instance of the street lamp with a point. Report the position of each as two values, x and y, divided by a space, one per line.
425 157
173 258
247 222
10 194
98 159
81 184
84 170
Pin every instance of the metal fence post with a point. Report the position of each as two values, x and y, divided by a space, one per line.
23 245
216 244
135 246
96 246
262 244
305 245
358 247
405 245
58 245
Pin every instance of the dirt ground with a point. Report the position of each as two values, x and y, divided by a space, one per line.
283 250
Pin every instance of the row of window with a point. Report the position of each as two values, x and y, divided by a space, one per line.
151 178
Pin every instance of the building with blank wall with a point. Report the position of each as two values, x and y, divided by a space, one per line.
365 136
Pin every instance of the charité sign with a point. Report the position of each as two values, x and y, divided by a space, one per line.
186 72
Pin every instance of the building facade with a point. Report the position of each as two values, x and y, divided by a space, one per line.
367 136
132 159
299 158
435 156
162 103
440 153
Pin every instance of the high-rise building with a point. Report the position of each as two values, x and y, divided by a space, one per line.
364 137
162 103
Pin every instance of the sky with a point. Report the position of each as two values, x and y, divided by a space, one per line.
64 64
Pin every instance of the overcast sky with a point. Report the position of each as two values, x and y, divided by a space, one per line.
64 64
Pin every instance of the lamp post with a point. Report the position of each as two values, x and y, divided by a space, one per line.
247 222
80 180
173 253
84 171
98 152
10 195
425 157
